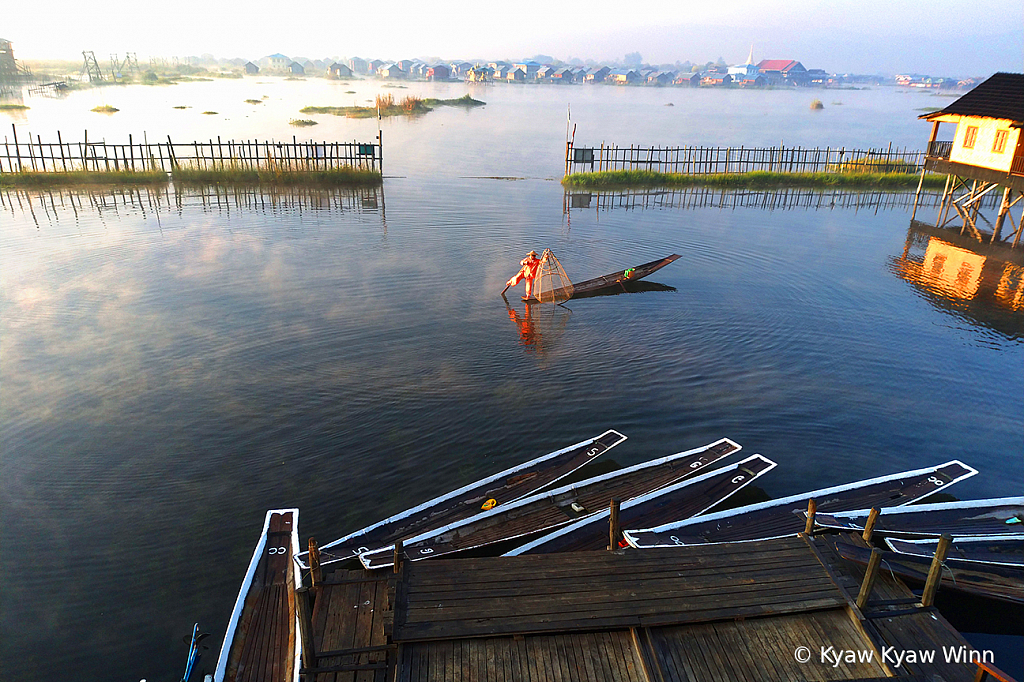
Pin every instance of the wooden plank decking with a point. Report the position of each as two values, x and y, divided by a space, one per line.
603 590
718 613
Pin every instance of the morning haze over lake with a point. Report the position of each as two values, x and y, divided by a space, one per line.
182 353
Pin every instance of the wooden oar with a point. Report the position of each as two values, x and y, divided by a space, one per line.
505 289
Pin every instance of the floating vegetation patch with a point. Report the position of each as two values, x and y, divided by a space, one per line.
464 101
71 178
209 113
350 92
12 107
254 101
816 104
293 78
181 106
273 174
105 109
302 122
756 179
397 87
386 104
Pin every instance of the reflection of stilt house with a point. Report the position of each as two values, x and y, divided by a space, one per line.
986 153
982 283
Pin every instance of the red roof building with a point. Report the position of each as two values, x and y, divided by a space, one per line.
782 66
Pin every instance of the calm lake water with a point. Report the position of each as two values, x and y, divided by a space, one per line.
175 363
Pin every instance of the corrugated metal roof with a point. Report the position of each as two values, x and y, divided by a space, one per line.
1001 96
776 64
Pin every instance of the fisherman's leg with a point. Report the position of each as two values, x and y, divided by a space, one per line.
529 288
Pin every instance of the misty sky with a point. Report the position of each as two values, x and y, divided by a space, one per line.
939 37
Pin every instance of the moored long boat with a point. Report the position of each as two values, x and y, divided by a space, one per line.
1000 550
684 499
488 493
778 518
996 516
261 643
558 507
1005 583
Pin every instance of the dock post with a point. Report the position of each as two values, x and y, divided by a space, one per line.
399 553
614 529
931 586
812 509
316 574
305 628
869 525
869 578
1004 208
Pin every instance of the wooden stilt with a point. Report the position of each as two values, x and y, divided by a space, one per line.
869 578
869 525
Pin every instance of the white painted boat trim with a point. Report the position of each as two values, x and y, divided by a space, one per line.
956 540
800 497
470 486
934 506
236 613
593 518
543 495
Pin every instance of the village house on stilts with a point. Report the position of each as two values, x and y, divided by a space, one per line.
986 154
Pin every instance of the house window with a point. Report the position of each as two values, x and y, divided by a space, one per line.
999 146
970 137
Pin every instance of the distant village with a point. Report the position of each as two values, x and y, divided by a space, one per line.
750 74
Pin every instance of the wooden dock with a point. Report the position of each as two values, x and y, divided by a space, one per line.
736 611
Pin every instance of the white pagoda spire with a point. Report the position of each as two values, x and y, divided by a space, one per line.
750 57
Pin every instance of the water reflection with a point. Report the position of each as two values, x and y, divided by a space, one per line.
980 283
540 325
58 204
771 200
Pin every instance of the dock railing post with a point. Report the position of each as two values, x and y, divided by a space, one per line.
305 628
614 529
869 525
399 553
931 586
812 509
869 578
316 574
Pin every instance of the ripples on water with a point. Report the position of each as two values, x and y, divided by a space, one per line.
175 363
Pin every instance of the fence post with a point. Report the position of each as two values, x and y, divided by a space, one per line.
614 530
931 585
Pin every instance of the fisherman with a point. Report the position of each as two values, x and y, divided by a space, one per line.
530 266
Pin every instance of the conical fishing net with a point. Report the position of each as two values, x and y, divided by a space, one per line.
551 285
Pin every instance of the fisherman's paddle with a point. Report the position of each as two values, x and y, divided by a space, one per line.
504 290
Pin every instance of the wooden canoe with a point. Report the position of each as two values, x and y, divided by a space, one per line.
509 485
261 643
548 510
997 516
1000 550
614 280
1004 583
685 499
778 518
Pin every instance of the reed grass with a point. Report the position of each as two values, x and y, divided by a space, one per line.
273 174
12 107
75 178
755 179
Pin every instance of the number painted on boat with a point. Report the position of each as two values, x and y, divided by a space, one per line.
697 465
277 550
426 550
936 481
362 550
593 451
676 540
739 479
